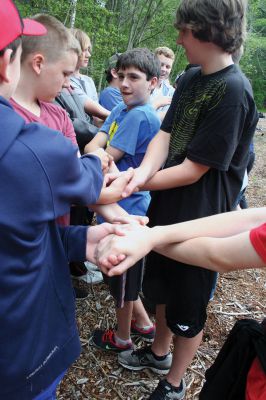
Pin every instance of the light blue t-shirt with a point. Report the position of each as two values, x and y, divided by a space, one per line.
110 97
131 132
165 90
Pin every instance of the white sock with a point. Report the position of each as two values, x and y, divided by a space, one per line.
122 342
145 328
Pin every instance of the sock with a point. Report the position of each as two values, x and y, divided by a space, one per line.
159 358
122 342
144 328
176 388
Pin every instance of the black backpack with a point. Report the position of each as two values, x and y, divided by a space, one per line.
226 378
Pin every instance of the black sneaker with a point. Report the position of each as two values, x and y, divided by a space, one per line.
165 391
105 340
144 358
77 268
81 294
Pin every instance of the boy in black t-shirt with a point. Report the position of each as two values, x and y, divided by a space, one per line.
203 142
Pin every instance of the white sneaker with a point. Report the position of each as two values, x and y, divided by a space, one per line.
93 274
90 266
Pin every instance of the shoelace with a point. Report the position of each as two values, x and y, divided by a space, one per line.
162 388
142 351
108 336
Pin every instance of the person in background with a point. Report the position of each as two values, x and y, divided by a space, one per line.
111 95
162 95
83 84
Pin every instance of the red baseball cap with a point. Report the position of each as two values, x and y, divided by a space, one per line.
13 26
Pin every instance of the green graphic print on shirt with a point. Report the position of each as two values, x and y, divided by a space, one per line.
200 96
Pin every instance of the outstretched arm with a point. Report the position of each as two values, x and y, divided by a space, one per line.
217 254
228 232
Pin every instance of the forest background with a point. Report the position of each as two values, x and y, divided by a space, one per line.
115 26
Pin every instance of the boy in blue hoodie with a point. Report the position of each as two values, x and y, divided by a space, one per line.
41 177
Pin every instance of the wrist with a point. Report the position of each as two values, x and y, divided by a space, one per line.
145 172
156 236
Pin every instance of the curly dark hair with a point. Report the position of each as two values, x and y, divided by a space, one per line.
221 22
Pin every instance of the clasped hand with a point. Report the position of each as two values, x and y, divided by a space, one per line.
118 251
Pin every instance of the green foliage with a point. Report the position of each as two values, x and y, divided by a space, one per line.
116 25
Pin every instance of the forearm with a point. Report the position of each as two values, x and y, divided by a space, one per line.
109 211
108 196
99 141
216 254
184 174
220 225
91 107
156 154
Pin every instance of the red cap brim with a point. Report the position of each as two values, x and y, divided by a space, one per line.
33 28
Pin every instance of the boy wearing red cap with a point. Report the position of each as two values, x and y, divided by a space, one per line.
41 177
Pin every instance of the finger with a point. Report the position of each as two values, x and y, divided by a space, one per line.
143 220
119 230
110 158
113 176
112 259
122 220
120 268
129 189
105 265
105 170
121 257
130 173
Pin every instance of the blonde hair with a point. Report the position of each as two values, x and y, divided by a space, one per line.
54 44
165 51
82 38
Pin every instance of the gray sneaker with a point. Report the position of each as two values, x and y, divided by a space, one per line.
143 358
93 274
165 391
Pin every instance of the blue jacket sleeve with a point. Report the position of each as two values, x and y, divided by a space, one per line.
74 242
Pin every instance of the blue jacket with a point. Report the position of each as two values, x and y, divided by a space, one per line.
41 177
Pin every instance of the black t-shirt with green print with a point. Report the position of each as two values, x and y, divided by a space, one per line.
211 120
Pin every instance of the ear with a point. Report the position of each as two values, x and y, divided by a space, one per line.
37 63
114 73
4 64
153 82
